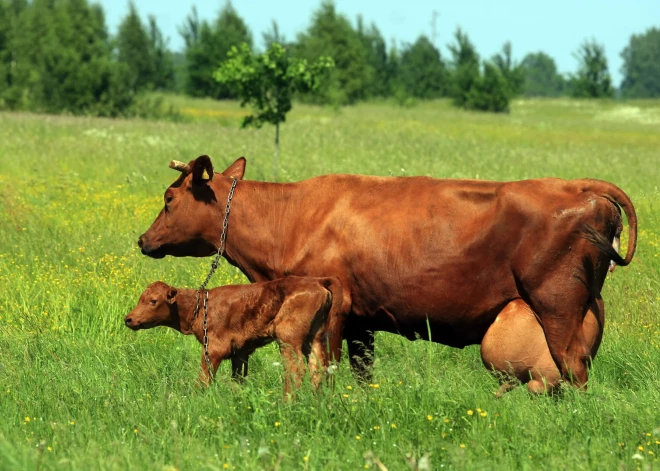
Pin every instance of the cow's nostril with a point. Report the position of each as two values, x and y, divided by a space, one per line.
140 242
128 321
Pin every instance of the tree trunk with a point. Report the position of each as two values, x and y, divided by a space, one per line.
277 151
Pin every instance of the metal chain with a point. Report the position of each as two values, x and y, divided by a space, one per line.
214 266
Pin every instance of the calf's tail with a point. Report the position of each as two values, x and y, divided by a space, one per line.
617 196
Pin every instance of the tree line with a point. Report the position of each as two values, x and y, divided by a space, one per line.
58 56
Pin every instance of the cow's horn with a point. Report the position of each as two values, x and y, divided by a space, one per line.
180 166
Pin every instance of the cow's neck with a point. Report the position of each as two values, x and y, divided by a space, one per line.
261 217
182 311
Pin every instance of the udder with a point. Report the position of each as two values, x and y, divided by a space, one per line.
514 347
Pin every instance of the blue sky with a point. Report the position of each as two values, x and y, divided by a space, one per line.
556 27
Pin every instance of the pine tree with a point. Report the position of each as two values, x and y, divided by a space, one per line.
332 35
471 89
5 50
134 49
62 60
377 58
465 66
422 71
510 70
161 58
273 36
207 47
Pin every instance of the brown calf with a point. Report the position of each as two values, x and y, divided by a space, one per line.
514 346
293 311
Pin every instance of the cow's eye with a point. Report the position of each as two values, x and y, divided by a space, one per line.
168 199
152 302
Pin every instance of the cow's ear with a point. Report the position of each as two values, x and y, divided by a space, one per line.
236 170
171 295
202 169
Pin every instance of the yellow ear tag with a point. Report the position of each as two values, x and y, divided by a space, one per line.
205 175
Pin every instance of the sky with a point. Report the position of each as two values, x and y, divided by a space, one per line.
556 27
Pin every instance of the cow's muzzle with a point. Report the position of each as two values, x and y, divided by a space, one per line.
148 250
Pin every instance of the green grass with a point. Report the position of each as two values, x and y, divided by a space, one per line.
80 391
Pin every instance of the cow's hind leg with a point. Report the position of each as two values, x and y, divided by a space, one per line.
239 366
361 352
561 316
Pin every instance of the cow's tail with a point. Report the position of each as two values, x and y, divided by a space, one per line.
336 316
617 196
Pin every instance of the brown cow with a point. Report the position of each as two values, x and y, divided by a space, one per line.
415 255
292 311
514 347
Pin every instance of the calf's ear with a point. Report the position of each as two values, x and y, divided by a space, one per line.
236 170
202 169
171 295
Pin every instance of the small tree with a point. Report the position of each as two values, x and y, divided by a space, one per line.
510 70
266 82
593 78
473 90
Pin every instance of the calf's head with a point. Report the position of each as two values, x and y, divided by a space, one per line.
157 306
190 222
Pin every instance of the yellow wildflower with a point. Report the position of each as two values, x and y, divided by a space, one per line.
461 445
484 414
429 417
277 424
470 412
393 425
357 437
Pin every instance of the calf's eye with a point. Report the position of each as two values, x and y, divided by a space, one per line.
152 302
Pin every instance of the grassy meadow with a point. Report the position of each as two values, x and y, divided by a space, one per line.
80 391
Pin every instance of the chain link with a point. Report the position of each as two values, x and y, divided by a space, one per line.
202 289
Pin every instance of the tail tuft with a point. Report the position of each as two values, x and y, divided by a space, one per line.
604 245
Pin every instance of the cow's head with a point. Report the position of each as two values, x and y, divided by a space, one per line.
190 222
155 307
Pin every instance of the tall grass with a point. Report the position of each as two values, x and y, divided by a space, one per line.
80 391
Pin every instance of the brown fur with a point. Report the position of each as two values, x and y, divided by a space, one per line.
415 255
514 346
291 311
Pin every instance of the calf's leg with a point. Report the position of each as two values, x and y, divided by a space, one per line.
294 367
204 375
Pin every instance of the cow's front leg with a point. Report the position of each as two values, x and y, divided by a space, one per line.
361 352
